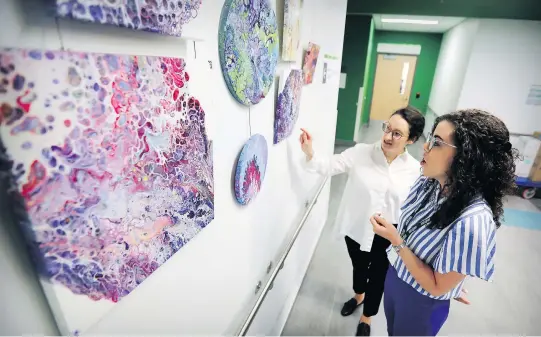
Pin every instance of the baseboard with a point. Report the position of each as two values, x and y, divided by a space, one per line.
341 142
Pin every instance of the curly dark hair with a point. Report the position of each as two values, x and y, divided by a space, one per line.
484 165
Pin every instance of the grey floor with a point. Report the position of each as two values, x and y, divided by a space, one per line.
509 305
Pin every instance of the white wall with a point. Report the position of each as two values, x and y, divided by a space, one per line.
504 63
453 61
490 65
208 285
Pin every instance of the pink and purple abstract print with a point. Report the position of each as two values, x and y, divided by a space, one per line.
158 16
111 157
287 106
310 62
251 167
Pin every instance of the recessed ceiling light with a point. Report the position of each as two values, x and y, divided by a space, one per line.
411 21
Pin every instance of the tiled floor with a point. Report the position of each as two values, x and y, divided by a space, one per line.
509 305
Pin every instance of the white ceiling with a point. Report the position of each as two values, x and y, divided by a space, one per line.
444 23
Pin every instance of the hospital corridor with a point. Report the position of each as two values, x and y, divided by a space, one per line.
508 306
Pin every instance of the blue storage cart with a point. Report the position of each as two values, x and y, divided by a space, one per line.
527 187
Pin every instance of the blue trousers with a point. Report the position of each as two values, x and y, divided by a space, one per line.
408 312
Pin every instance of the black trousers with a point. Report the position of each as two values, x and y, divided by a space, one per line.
369 271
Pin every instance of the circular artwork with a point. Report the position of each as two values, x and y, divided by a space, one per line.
248 44
251 168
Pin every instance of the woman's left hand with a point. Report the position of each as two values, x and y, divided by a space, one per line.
462 297
385 229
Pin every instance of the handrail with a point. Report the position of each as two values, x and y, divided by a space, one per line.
268 286
520 134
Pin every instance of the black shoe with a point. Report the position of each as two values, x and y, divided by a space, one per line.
350 307
363 329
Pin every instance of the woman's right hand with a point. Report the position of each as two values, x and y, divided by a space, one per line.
306 144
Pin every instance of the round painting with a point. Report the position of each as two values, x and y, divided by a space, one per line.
251 168
248 44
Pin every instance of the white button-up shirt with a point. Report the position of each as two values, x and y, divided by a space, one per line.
373 186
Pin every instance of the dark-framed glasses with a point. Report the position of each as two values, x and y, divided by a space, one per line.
386 128
432 141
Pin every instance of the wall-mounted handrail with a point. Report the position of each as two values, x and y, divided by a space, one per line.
268 286
520 134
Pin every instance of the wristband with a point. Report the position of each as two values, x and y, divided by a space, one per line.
398 248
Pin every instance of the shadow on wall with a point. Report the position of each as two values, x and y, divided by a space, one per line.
36 27
296 181
24 281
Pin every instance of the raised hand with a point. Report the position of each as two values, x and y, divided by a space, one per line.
385 229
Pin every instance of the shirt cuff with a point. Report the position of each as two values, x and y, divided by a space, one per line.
312 164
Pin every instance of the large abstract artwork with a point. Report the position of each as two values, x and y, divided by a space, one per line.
111 157
158 16
251 167
248 46
288 104
292 29
310 62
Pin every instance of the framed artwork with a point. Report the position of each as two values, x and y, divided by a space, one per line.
310 62
288 104
157 16
251 167
113 165
248 48
292 29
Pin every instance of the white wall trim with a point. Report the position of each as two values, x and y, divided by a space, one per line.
405 49
360 101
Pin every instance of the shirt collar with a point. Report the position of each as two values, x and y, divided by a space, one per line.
380 156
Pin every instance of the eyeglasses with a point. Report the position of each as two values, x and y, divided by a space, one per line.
433 141
386 128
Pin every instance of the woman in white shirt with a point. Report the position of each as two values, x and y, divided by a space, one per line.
379 178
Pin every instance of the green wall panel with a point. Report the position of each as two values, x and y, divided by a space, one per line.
354 55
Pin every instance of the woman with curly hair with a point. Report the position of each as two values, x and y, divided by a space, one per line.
447 227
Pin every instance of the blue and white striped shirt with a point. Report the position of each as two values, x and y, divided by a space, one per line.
467 246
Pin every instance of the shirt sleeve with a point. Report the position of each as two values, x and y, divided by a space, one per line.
469 247
336 164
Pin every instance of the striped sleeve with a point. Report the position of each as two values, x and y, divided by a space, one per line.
469 247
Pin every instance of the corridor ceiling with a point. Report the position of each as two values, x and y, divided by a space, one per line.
497 9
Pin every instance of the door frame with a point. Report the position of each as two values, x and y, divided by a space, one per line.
398 49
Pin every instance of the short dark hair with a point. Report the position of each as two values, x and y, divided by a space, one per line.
415 119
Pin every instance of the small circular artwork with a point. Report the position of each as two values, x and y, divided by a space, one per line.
251 168
248 46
